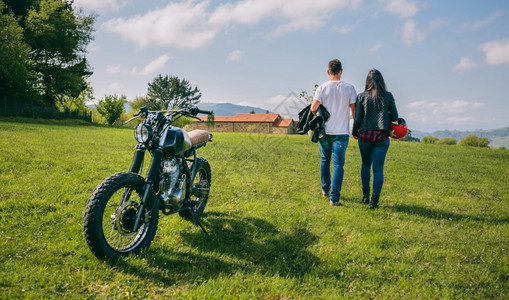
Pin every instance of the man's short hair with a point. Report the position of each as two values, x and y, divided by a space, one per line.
335 66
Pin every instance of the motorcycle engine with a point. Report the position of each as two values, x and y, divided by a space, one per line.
173 190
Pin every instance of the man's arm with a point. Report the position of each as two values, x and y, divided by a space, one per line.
314 106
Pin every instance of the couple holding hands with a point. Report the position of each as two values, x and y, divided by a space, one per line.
373 111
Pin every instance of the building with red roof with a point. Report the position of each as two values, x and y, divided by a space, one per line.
253 123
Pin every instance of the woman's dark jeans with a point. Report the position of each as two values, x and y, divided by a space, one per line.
373 154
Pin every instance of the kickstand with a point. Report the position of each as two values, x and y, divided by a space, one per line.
197 219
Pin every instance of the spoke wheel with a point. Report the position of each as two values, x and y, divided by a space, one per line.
201 181
111 214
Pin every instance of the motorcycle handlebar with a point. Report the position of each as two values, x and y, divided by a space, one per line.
192 112
196 110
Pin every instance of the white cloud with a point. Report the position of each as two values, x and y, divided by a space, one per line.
375 48
151 67
291 15
192 25
274 101
487 21
235 55
93 47
457 106
113 88
402 8
497 52
100 5
122 71
412 35
343 29
407 9
465 64
155 65
287 106
182 25
455 112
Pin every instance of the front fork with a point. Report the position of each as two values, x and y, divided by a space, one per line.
148 191
138 158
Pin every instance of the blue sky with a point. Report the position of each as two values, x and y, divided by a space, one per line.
446 62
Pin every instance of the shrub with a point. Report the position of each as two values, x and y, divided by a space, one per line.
447 141
429 140
474 141
111 107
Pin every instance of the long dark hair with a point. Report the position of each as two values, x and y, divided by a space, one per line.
375 86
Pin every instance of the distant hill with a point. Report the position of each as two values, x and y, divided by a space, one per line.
497 137
229 109
419 134
219 109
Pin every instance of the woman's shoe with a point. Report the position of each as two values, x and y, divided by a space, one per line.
374 201
365 197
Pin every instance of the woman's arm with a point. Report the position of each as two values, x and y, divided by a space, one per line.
393 111
359 115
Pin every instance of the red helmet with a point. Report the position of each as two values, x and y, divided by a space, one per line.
399 130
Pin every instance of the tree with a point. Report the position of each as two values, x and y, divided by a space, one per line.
210 120
171 92
307 97
141 101
58 37
429 140
111 107
474 141
447 141
17 73
409 137
80 102
20 7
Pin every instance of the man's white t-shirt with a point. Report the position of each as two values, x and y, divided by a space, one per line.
337 96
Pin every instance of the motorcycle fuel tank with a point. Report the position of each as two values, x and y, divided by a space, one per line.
175 141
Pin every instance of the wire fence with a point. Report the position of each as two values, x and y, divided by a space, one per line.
28 110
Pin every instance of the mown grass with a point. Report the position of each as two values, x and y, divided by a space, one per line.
442 230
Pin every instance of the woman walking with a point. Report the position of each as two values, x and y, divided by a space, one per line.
375 109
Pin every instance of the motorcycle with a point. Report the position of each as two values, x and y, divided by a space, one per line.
122 213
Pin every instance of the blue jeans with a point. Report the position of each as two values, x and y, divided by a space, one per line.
373 154
335 146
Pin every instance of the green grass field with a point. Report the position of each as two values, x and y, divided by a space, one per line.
442 230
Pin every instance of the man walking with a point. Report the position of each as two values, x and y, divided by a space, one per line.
338 97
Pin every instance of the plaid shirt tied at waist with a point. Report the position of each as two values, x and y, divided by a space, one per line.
373 136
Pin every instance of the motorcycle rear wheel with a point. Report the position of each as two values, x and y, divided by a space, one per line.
110 215
202 180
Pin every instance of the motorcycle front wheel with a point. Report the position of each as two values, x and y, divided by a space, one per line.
110 216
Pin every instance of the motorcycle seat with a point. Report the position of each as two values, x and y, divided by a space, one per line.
198 136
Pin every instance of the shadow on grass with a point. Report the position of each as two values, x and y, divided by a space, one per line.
441 215
236 244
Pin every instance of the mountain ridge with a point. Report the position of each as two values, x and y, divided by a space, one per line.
230 109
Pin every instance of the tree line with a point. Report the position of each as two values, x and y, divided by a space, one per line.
43 52
43 47
164 92
470 140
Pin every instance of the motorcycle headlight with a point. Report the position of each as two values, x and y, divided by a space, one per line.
142 133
